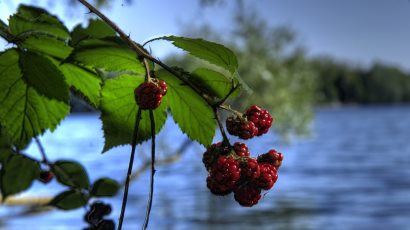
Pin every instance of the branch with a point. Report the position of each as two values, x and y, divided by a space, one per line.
151 192
128 178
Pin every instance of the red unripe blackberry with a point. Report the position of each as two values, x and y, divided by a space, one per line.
249 169
272 157
241 149
46 176
241 127
247 195
148 95
260 117
163 85
212 153
268 176
226 171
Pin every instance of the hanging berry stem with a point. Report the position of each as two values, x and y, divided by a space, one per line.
129 173
221 128
151 192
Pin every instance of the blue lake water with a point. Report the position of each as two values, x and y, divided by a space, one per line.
352 173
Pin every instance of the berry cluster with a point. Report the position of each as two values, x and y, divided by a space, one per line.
148 95
254 122
95 217
232 169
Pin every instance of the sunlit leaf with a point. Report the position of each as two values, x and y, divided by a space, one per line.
40 73
119 111
212 52
83 81
110 54
191 112
95 29
213 82
31 20
23 111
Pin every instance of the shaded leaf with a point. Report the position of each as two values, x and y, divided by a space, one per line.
105 187
213 82
71 173
23 111
119 111
40 73
69 200
192 113
17 174
110 54
212 52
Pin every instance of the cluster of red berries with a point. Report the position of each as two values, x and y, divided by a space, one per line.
148 95
95 217
254 122
232 169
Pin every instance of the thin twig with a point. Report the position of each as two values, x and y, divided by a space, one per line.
42 151
151 191
225 140
129 172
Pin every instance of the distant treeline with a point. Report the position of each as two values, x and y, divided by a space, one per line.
381 83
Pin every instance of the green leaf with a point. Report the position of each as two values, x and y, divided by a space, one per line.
110 54
82 80
95 29
192 113
17 174
40 73
214 53
71 173
105 187
46 45
31 19
23 111
119 111
69 200
213 82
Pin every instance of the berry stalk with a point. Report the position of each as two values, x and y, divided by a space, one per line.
129 173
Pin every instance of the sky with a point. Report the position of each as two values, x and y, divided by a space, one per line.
355 31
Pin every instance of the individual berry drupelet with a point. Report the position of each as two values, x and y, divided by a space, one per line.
249 169
46 176
212 153
260 117
272 157
268 176
241 127
241 149
148 95
247 195
224 173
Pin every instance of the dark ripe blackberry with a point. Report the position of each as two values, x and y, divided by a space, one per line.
241 149
268 176
272 157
